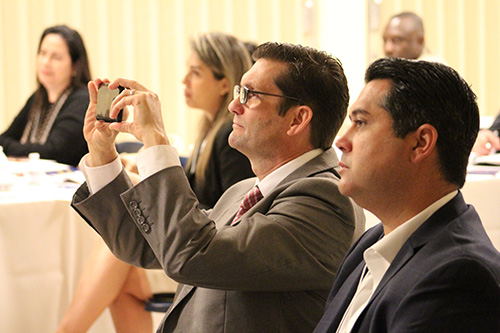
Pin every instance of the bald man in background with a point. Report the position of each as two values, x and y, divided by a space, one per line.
404 38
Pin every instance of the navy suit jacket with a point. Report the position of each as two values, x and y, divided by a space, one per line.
445 278
496 124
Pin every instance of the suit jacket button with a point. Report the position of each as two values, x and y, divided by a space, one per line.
133 204
141 219
137 211
146 228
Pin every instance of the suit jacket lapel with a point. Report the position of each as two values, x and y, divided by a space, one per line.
224 215
346 292
404 255
319 164
348 276
182 291
420 237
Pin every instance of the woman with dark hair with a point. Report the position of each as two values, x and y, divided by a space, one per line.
51 122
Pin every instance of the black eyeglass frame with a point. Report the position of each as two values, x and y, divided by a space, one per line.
244 96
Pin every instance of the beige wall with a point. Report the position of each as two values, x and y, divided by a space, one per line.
465 33
141 39
147 40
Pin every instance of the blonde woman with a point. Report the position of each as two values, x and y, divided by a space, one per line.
215 64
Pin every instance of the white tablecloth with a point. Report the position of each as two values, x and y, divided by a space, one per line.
43 247
484 195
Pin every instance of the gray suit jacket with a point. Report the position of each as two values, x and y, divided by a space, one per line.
269 273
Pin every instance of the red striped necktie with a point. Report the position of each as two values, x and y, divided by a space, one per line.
248 202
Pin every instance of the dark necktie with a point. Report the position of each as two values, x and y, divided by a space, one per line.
248 202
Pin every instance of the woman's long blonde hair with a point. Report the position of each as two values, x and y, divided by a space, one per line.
228 58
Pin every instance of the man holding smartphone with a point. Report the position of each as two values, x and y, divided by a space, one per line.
264 266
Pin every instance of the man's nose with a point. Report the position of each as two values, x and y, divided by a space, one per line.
235 106
343 143
388 48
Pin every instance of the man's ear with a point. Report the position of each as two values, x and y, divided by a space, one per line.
301 118
423 142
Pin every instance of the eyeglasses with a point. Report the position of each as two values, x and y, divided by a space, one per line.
242 92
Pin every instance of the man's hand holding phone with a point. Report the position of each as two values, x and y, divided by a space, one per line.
100 138
105 97
147 124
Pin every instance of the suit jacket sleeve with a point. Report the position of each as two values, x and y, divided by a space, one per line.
105 212
496 124
65 142
294 239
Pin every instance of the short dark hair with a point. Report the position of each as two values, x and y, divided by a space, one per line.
431 93
316 79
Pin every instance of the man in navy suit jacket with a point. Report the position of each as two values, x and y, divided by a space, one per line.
429 266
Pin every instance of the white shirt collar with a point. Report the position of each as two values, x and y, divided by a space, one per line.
269 182
380 255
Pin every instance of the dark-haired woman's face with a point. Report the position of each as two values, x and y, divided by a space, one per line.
54 66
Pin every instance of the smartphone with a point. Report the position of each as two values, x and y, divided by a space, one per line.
105 97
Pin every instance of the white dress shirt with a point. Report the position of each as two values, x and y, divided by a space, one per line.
157 158
379 257
269 182
149 161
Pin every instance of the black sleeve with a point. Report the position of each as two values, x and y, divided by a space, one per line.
65 142
226 167
232 165
16 128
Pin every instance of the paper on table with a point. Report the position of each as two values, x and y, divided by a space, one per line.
493 159
22 166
